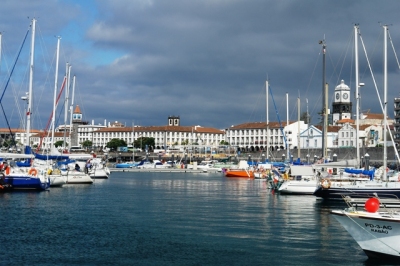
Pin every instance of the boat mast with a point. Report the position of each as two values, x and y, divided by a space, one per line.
385 29
72 105
267 140
357 94
53 118
287 125
133 142
298 127
67 75
29 112
323 98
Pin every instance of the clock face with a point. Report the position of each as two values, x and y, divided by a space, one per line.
345 96
337 96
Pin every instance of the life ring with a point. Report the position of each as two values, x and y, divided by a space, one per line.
32 172
326 183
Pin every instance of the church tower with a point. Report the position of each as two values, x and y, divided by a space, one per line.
76 121
341 105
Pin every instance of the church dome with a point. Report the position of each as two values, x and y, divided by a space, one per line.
342 86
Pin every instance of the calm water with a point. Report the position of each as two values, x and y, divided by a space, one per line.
171 219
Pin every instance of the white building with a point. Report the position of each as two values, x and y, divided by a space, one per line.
311 138
253 136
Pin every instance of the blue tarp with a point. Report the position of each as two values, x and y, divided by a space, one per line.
369 173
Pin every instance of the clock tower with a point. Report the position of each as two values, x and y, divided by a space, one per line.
341 105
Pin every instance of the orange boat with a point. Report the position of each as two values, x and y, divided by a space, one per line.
239 173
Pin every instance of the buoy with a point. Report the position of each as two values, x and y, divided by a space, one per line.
372 205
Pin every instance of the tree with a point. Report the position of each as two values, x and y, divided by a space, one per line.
223 142
60 143
115 143
143 141
306 118
87 144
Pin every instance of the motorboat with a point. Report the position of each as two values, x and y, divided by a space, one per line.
376 231
243 171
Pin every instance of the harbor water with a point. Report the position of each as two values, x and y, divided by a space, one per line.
172 219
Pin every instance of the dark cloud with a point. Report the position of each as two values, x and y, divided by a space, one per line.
206 61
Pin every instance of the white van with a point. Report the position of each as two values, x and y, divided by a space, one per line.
76 148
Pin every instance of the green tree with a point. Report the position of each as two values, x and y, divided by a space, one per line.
115 143
87 144
223 142
143 141
60 143
305 117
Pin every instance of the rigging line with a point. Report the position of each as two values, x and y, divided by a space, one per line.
312 75
5 88
379 99
279 120
394 50
51 116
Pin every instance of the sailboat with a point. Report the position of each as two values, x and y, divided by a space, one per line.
24 178
362 189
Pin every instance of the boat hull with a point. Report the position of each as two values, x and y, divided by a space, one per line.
378 237
10 183
356 192
298 187
239 173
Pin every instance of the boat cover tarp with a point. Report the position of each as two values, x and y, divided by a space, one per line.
369 173
343 163
50 157
296 170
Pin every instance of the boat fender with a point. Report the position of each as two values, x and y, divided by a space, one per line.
49 171
326 183
32 172
7 170
398 178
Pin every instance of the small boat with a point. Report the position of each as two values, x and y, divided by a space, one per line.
243 171
376 232
126 165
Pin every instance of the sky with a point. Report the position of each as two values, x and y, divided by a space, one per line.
140 61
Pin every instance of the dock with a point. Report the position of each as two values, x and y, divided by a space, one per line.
163 170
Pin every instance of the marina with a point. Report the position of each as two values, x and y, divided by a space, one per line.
154 218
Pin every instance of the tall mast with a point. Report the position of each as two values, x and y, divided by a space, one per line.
133 141
357 94
385 29
287 125
267 140
71 111
323 98
67 75
29 112
53 118
298 127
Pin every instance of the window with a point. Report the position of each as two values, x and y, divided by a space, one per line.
315 143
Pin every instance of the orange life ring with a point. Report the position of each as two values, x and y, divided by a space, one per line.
326 183
32 172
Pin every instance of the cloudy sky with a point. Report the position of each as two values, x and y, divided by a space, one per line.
139 61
